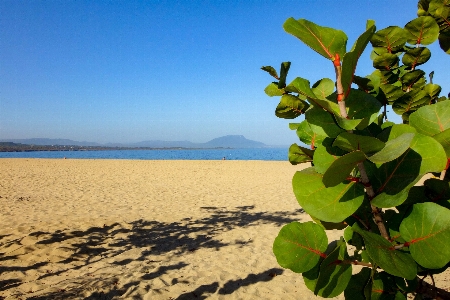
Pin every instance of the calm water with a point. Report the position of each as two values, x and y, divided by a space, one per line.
200 154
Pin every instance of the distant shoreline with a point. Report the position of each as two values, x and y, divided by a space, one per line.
16 147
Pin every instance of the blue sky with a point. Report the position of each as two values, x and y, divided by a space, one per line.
127 71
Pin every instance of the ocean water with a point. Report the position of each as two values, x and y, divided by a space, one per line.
277 154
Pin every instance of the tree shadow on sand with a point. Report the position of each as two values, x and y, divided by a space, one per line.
95 244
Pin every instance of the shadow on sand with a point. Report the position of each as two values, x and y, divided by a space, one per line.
155 238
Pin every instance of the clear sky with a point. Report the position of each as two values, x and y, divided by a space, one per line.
128 71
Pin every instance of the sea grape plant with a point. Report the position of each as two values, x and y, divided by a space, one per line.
364 168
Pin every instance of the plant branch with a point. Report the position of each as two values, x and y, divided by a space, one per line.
364 178
378 219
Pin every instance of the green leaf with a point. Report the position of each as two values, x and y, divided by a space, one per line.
324 40
301 86
443 138
355 287
383 287
410 78
385 61
437 190
290 107
392 92
393 149
397 130
299 246
341 168
433 158
273 90
433 90
444 41
283 74
351 142
431 119
323 88
416 57
382 252
333 275
411 101
294 126
325 155
307 136
347 124
422 30
391 38
393 179
427 229
298 155
329 225
332 204
361 105
322 123
271 71
350 59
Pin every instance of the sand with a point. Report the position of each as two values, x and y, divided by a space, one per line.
123 229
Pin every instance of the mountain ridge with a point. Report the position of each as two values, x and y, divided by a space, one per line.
228 141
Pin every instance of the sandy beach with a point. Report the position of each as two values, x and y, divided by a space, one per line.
123 229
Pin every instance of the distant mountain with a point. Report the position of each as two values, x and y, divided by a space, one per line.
234 141
229 141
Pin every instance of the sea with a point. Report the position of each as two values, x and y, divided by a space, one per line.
270 154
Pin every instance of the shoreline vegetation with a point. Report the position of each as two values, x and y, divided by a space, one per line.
18 147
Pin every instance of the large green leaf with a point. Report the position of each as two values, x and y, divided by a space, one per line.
444 139
299 246
392 180
422 30
431 119
322 122
325 155
393 149
298 155
333 275
416 57
341 168
307 136
383 253
332 204
324 40
355 287
391 38
427 230
350 59
351 142
290 107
